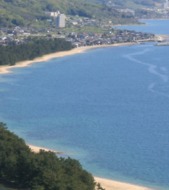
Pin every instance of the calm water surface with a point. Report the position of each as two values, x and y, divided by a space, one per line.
106 107
151 26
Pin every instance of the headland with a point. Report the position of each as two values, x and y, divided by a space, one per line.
107 184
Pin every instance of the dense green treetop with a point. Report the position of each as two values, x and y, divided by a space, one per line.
34 47
24 169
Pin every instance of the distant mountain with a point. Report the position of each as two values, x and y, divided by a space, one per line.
19 12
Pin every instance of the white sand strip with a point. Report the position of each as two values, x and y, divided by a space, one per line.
7 69
105 183
37 149
117 185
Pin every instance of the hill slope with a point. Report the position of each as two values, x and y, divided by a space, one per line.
134 4
24 169
32 12
19 12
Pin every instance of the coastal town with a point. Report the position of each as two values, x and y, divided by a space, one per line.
20 35
83 30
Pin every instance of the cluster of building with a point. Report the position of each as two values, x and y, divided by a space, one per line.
20 35
16 35
160 11
114 37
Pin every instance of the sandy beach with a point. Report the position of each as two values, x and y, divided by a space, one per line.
117 185
105 183
7 69
36 149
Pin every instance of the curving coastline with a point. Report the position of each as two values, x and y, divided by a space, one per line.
117 185
106 183
7 68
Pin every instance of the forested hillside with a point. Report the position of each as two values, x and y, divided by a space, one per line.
133 3
32 12
23 169
19 12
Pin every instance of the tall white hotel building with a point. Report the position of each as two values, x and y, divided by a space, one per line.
60 21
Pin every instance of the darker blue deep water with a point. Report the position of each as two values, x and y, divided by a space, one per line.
106 107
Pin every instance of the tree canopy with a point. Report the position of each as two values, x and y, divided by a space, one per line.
24 169
34 47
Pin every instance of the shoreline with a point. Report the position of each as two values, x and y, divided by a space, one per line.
107 184
37 149
6 69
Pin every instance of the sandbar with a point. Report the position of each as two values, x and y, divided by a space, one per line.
7 68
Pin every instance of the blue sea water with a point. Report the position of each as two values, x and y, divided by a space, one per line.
107 107
151 26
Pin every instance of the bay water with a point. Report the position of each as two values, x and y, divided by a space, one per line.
106 107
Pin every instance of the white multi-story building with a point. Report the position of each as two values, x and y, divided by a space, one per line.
60 21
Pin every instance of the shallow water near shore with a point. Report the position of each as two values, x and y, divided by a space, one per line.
107 107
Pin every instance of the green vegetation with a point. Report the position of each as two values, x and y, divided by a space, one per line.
33 48
23 169
87 29
134 4
32 12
